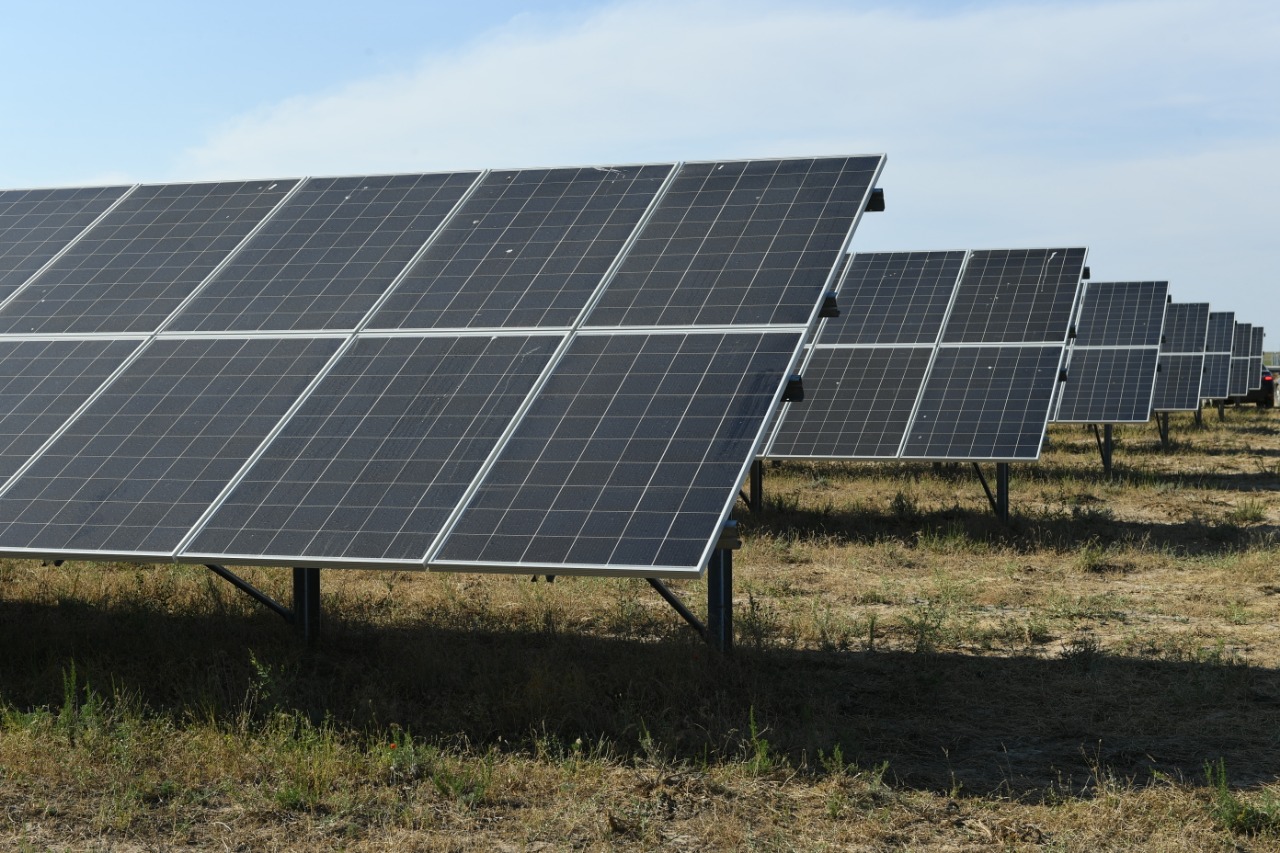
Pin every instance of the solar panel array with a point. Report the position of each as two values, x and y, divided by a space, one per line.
936 355
548 369
1186 328
1111 366
1255 358
1216 384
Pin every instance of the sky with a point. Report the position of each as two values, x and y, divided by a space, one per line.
1146 130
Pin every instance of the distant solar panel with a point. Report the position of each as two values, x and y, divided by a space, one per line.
1255 358
1112 363
37 224
142 259
1186 329
1216 384
1241 347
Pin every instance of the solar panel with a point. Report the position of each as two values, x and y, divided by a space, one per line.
1216 384
985 403
629 456
243 431
1108 386
380 453
858 403
1122 314
742 243
37 224
1241 347
142 259
1255 359
135 471
327 255
1016 296
528 248
1186 329
1111 367
1178 383
42 383
894 298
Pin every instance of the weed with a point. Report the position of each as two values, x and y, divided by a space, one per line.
1234 814
1245 513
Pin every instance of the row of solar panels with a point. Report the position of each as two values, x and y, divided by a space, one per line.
566 370
969 355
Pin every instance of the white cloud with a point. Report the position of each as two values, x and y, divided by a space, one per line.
1141 128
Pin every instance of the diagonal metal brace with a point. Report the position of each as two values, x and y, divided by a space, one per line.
251 591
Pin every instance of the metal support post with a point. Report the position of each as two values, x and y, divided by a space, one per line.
1199 416
1162 424
1002 491
757 486
306 603
1105 446
720 600
1222 410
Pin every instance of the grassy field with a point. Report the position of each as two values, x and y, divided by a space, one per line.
1102 674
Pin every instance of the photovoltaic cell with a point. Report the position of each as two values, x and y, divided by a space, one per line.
137 265
629 456
42 383
327 256
857 403
136 470
528 249
745 243
381 452
37 224
985 403
1178 383
1109 386
1016 296
1129 313
894 298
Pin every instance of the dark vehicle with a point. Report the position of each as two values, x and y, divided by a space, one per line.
1265 396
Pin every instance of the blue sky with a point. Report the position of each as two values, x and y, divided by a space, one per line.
1147 130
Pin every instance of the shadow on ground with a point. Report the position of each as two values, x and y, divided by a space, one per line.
1022 726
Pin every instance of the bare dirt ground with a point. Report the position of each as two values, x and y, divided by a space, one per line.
1101 674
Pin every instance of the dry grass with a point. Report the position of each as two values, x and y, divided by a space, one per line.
1102 674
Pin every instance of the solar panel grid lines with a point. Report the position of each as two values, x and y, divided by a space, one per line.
726 232
529 249
1241 344
1178 381
894 297
859 401
592 481
142 259
43 383
985 403
1016 296
1255 358
1216 384
1127 313
1186 328
135 469
1112 360
326 256
37 227
1108 385
380 453
1221 329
